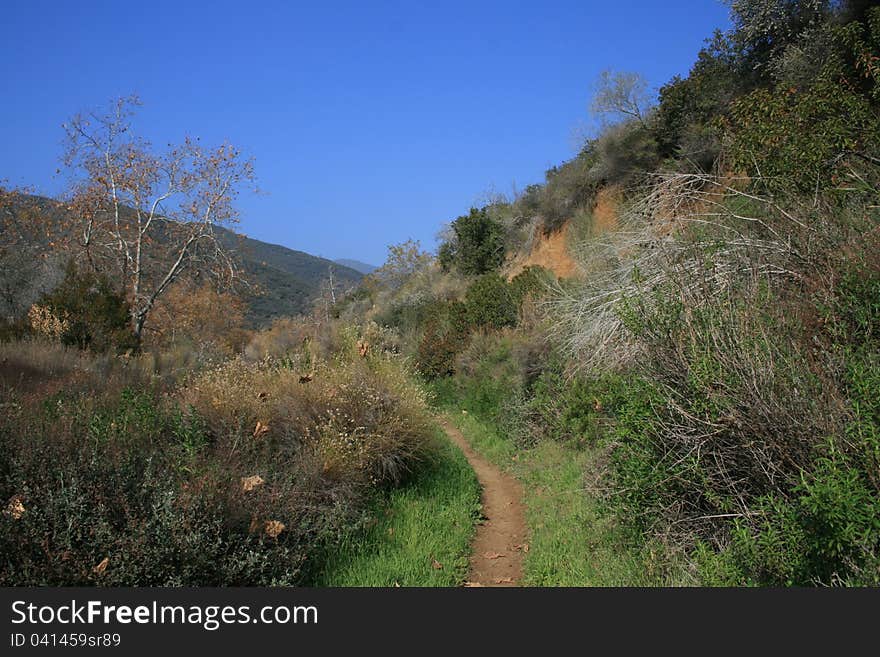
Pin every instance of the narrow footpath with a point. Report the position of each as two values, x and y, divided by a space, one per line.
498 547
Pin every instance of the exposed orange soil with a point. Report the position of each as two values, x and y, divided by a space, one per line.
605 212
550 252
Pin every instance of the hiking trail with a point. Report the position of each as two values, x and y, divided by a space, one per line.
500 541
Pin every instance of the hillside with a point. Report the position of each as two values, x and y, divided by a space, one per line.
286 281
680 322
357 265
281 281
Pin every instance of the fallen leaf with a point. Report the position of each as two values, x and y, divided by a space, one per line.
504 580
249 483
15 509
273 528
436 565
493 555
101 567
260 429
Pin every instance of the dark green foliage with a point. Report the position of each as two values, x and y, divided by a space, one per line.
821 117
478 246
446 255
685 124
491 303
446 333
763 29
800 137
114 485
533 281
96 314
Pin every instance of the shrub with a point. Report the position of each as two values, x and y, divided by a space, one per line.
446 334
686 122
800 136
533 281
247 476
741 431
477 246
567 187
88 313
490 303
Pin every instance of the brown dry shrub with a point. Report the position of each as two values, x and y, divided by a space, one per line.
361 419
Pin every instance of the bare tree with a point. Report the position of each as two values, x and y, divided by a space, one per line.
621 95
145 217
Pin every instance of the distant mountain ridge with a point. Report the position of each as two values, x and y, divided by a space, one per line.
357 265
283 281
288 280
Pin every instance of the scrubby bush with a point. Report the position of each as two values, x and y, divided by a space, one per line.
249 475
732 434
446 333
89 312
477 246
567 187
491 303
533 281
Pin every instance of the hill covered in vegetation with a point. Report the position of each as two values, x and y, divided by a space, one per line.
280 282
700 363
357 265
672 341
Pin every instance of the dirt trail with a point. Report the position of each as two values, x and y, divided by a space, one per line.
500 541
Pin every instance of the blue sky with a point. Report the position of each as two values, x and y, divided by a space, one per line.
370 122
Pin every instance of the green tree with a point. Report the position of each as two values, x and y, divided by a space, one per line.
684 124
477 245
96 316
764 28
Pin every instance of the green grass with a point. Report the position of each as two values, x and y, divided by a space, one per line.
430 519
571 542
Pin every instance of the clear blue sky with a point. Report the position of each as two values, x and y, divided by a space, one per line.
370 122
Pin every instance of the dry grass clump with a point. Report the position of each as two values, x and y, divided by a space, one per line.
740 432
702 236
284 337
248 474
360 419
39 366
